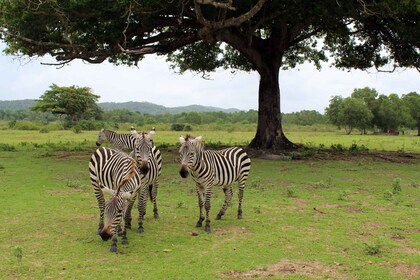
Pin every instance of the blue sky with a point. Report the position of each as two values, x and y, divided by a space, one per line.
303 88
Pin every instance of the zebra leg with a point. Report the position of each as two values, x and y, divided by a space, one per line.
124 239
142 208
200 195
113 247
101 204
127 215
207 205
240 197
154 196
228 197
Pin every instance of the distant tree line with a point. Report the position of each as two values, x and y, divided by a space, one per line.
366 110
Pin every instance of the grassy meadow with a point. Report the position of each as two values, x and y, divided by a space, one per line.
354 218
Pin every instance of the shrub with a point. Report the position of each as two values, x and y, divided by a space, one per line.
76 129
177 127
376 247
343 195
396 186
7 148
291 192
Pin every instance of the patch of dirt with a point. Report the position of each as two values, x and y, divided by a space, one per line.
314 269
397 157
407 271
235 230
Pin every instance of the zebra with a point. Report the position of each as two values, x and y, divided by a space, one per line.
121 141
113 172
150 160
209 168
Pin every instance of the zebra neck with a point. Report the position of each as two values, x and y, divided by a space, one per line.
199 160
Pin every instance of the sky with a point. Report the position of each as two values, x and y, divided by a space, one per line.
302 88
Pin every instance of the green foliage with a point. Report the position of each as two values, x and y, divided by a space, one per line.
7 148
412 102
344 194
365 110
177 127
291 192
76 129
396 186
376 247
17 251
304 117
74 102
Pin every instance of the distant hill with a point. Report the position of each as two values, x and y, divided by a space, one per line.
15 105
142 107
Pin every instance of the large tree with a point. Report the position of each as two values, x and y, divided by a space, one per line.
412 101
73 102
202 35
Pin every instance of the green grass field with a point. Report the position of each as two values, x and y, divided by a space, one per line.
310 219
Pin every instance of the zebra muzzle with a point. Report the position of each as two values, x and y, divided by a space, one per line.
144 167
184 171
106 233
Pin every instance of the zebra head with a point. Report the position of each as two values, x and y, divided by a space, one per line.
189 153
143 150
101 137
114 210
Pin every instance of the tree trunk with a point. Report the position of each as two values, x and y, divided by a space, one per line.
270 133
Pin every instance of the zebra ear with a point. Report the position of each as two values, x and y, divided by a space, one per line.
151 134
108 191
199 138
133 130
181 140
102 130
126 195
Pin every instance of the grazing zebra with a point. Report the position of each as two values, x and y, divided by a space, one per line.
209 168
115 173
121 141
150 160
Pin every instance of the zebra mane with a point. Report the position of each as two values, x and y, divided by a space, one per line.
132 169
188 137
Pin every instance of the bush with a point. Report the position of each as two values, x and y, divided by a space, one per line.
177 127
76 129
26 125
7 148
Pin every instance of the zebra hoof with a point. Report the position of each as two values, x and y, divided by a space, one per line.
218 216
124 241
239 217
207 229
156 215
198 224
113 249
141 230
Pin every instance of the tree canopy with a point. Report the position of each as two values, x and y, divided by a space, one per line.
74 102
203 35
365 109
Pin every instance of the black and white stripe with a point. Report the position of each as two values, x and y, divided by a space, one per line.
115 173
213 168
149 159
120 141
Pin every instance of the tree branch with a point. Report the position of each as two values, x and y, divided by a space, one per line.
212 26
